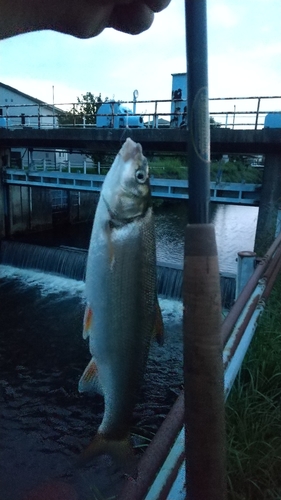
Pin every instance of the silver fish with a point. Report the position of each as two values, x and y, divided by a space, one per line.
122 312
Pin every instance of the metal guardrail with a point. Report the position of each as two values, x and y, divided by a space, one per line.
223 192
161 469
230 112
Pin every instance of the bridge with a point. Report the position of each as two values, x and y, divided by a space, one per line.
223 192
172 140
237 126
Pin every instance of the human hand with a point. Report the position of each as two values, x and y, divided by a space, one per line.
80 18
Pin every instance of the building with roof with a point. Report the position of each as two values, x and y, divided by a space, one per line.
20 110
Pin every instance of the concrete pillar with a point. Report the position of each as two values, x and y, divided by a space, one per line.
30 209
5 161
40 208
19 209
82 206
269 203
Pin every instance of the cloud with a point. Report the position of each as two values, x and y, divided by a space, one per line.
222 15
244 56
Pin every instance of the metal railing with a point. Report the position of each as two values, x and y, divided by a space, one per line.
226 112
161 468
235 193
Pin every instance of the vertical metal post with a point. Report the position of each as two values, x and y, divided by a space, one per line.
234 113
257 115
39 117
53 92
203 369
155 125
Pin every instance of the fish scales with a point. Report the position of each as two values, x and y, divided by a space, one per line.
121 288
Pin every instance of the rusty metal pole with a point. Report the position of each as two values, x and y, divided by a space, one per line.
203 367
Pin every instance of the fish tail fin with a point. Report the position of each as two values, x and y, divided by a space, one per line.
120 450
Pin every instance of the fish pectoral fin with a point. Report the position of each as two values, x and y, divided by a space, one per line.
158 331
88 321
89 382
120 450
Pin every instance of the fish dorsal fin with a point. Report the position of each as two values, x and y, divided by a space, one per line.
158 331
88 321
130 150
89 382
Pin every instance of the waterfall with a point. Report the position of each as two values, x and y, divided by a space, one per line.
169 280
71 262
64 261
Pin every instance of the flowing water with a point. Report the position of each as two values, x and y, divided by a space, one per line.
45 422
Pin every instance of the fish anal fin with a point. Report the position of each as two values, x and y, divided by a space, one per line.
158 331
88 321
89 382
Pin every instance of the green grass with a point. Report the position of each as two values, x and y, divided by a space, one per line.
236 171
253 413
174 167
232 171
168 168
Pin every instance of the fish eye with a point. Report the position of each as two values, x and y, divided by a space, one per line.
140 176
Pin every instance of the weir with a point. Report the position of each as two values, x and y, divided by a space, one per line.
71 263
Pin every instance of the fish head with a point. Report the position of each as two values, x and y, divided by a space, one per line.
126 189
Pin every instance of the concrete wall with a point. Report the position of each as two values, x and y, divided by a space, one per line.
270 201
30 209
19 213
4 162
41 209
82 206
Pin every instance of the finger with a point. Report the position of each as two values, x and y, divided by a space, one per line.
157 5
83 22
132 18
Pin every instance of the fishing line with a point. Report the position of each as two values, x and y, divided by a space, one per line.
123 136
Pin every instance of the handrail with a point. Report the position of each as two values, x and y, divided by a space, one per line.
248 112
241 328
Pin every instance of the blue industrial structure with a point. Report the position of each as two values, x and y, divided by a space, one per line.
224 192
273 120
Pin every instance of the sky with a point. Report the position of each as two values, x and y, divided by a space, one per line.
244 56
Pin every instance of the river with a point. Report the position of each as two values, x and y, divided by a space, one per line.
45 422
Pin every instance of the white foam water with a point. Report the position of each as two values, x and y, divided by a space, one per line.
49 284
46 283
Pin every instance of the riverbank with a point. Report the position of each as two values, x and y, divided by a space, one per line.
253 413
